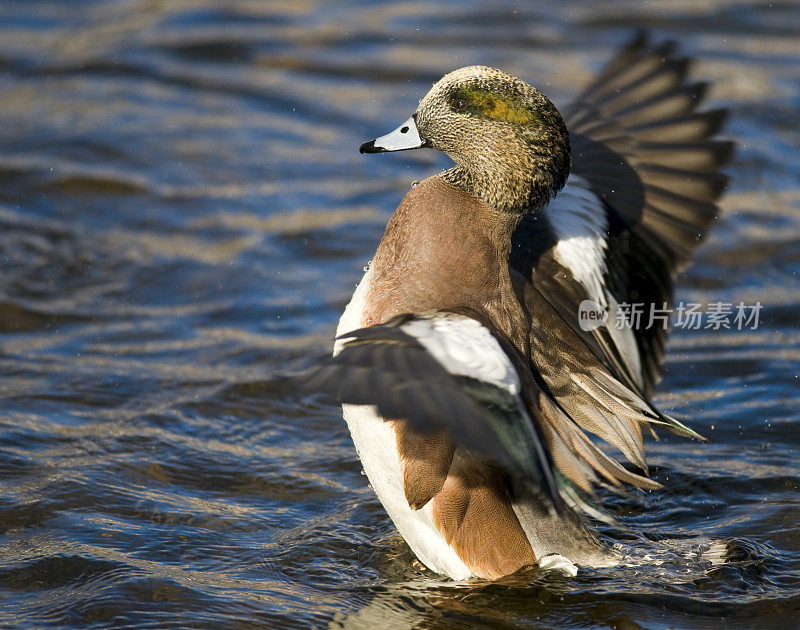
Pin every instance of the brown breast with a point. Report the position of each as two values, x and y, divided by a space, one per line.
444 249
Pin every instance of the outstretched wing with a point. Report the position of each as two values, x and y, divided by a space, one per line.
443 374
643 148
639 199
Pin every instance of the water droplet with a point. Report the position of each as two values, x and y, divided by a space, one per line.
414 184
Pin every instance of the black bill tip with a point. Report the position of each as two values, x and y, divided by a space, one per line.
369 147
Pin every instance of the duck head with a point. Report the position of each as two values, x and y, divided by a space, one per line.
509 142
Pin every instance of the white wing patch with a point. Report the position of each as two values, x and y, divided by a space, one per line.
464 347
580 224
579 221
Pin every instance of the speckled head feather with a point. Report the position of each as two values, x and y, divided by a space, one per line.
509 142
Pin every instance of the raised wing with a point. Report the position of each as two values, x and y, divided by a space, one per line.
639 200
642 147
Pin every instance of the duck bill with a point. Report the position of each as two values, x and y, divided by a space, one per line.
404 138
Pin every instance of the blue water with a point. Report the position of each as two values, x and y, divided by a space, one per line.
184 215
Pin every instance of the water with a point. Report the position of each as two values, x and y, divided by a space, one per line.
184 215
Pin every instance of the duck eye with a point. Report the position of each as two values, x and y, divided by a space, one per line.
458 104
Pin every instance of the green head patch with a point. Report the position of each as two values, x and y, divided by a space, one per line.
482 102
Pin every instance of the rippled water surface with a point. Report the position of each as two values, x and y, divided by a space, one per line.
183 216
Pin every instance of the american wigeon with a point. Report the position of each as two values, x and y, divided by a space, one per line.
469 384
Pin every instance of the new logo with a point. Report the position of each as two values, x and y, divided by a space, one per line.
591 315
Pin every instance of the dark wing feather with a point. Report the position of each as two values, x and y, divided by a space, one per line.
384 366
648 154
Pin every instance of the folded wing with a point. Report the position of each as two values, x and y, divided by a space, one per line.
444 376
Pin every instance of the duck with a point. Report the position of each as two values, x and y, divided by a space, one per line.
477 396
